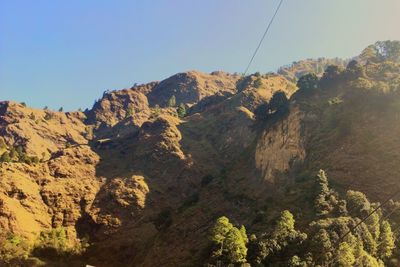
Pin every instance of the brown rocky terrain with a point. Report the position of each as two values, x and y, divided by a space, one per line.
143 185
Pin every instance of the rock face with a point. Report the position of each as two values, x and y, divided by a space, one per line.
282 146
140 182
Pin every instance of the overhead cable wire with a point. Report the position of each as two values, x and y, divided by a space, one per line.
263 37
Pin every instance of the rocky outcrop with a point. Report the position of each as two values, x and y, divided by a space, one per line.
190 87
116 106
281 145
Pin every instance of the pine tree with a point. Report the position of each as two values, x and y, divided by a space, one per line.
181 110
219 232
345 256
172 101
5 157
235 246
2 144
386 241
129 112
285 224
230 241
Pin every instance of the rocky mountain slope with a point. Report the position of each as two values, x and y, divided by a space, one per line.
139 179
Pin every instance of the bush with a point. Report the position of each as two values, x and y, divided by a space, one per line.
3 144
13 250
32 116
52 244
181 110
5 157
172 101
129 112
308 82
14 154
258 83
48 116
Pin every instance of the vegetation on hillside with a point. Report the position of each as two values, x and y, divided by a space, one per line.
345 231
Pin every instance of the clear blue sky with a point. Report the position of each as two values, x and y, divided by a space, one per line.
66 53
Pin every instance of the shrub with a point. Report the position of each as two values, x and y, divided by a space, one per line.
13 250
14 154
35 159
308 82
52 244
172 101
258 83
25 158
5 157
2 144
32 116
181 110
48 116
156 111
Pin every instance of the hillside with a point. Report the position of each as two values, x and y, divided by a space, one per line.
141 178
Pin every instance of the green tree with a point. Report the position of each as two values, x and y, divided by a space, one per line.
321 246
285 224
61 109
172 101
331 76
279 103
14 154
52 243
32 116
229 240
386 241
357 203
367 260
345 256
354 70
258 82
13 250
325 201
48 116
308 82
257 250
220 230
3 144
156 111
5 157
235 246
295 261
181 110
129 112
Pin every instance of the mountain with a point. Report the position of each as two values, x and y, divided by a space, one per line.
146 175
